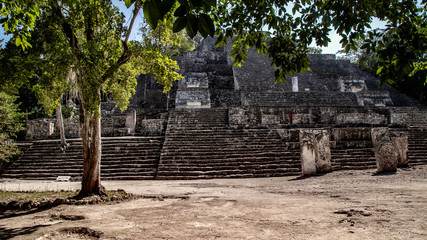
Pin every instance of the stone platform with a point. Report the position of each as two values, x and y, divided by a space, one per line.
230 122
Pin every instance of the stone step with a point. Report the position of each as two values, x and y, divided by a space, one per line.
42 175
220 133
128 177
227 174
126 171
184 166
205 170
202 156
235 160
52 171
229 154
346 167
121 157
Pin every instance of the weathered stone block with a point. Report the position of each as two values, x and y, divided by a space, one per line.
294 84
301 118
361 118
270 120
152 127
386 154
121 132
323 150
352 85
237 117
71 128
131 120
308 156
400 142
40 129
288 135
398 118
315 151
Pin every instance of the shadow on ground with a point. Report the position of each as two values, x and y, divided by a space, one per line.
8 233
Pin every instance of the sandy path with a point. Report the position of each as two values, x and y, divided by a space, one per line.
339 205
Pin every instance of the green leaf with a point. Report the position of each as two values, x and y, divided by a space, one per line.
364 46
380 70
166 6
347 48
180 11
152 13
18 41
128 3
191 26
206 25
179 24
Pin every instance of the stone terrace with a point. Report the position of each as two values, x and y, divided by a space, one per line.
223 121
199 145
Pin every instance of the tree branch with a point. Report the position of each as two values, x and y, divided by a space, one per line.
135 14
126 55
122 60
66 27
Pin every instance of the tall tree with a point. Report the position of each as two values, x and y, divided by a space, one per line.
92 35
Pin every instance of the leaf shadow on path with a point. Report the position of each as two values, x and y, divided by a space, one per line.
8 233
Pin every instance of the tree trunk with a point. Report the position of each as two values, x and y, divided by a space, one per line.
60 126
90 124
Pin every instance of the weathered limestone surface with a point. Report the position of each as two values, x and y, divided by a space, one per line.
361 118
45 128
308 156
294 84
40 128
352 85
323 150
152 127
386 154
315 151
400 142
131 120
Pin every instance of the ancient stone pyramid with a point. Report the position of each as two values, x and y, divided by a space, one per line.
224 121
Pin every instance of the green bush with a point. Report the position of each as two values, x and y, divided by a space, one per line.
11 122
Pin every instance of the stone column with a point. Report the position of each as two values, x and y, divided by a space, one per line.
131 120
323 151
400 142
315 151
386 154
294 84
308 156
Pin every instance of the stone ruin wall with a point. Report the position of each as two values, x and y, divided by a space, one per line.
269 117
148 122
335 93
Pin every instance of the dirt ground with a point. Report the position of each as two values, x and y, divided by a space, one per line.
338 205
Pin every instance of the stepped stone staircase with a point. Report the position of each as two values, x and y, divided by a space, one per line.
123 158
356 155
417 149
199 146
289 99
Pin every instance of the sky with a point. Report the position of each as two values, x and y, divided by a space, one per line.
333 47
